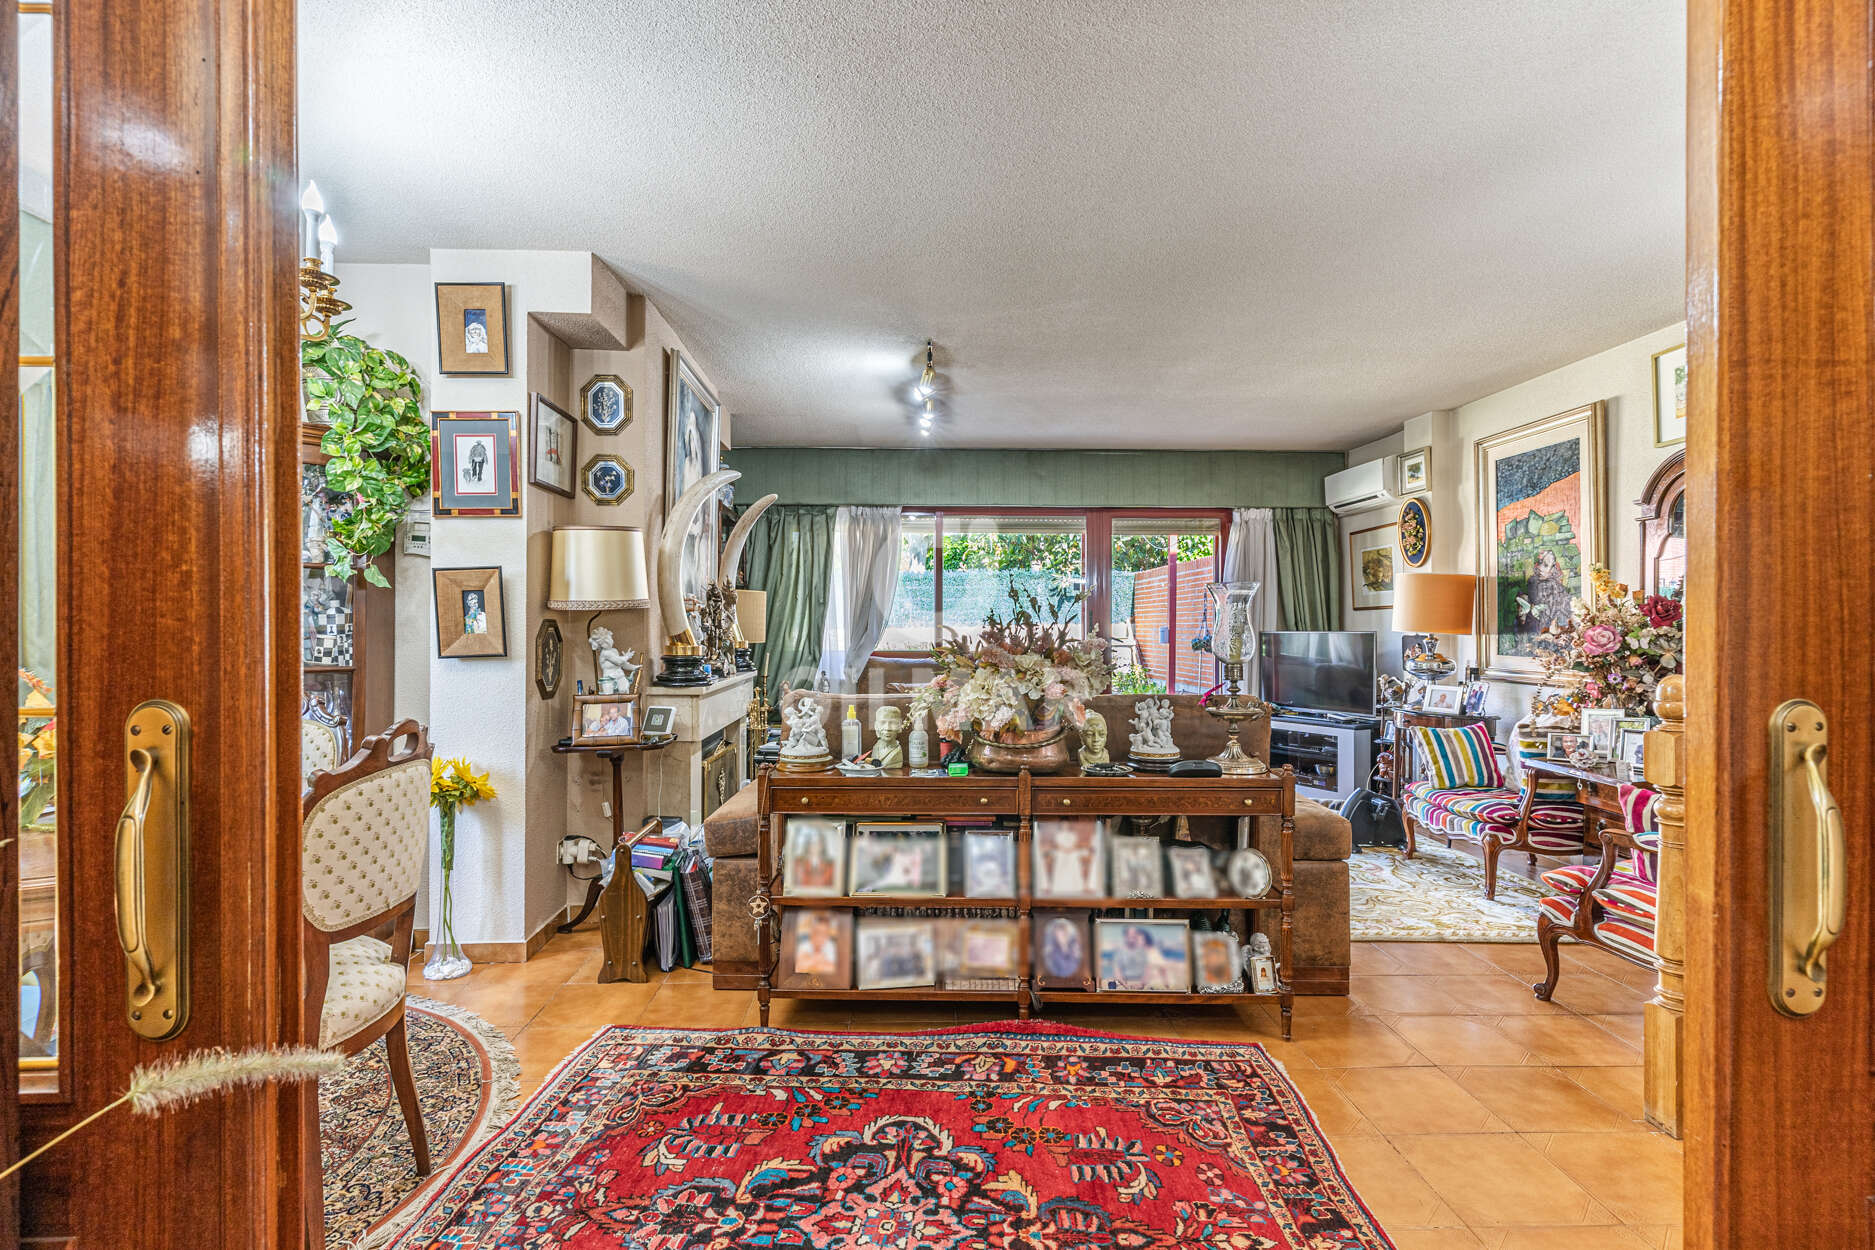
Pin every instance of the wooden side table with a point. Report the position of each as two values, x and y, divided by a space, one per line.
1598 790
614 753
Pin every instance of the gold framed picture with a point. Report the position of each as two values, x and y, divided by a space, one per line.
1670 396
472 329
471 619
1370 563
606 719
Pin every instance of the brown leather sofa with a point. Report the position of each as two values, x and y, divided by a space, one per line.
1323 843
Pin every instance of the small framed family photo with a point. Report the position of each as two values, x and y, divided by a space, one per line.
816 950
1191 872
471 622
1070 859
989 865
895 954
1061 952
1445 698
898 859
1217 962
472 329
602 719
1143 955
1137 870
813 857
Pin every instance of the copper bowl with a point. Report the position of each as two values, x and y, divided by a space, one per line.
1042 750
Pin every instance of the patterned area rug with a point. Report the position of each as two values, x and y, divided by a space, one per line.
1437 896
1012 1135
468 1082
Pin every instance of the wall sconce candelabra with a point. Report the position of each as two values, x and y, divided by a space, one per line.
319 303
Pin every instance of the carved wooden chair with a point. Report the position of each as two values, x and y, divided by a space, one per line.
1612 904
321 737
364 836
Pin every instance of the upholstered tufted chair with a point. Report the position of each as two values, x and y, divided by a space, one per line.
363 839
321 737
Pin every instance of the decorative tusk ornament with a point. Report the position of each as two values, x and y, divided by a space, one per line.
683 658
726 580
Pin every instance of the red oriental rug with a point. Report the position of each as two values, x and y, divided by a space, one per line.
1031 1136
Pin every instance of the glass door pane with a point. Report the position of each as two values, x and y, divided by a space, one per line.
911 626
986 557
1159 624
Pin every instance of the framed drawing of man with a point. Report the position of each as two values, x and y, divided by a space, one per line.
1540 508
692 451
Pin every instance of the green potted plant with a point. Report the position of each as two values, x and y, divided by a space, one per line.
378 441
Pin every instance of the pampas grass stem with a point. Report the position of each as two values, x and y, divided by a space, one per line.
171 1083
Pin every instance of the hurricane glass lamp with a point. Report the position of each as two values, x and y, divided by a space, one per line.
1233 640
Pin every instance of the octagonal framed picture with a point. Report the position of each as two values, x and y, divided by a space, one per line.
606 480
605 404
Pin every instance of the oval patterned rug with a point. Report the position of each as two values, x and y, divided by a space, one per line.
468 1082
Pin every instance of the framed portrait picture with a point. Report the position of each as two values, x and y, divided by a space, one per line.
1415 532
1191 872
605 404
892 954
816 950
1262 970
553 436
986 947
473 465
471 619
1602 727
605 718
1444 698
1371 554
1143 955
660 720
1670 396
1476 694
1217 962
1416 471
693 451
1138 869
1540 490
1569 747
813 857
1633 752
549 658
898 859
1070 859
472 329
1062 960
607 480
989 864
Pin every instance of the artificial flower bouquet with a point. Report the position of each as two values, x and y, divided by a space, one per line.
1025 672
1616 646
453 785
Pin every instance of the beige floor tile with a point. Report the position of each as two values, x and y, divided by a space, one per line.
1524 960
1497 1179
1569 1041
1624 1089
1543 1100
589 1006
1403 994
1371 957
1497 994
1636 1176
1630 1029
1603 1237
1433 958
1338 1118
1592 994
1416 1100
1390 1186
1459 1041
1356 1042
696 1007
1434 1239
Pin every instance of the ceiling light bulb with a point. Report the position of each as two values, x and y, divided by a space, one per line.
925 430
930 409
927 381
312 201
328 233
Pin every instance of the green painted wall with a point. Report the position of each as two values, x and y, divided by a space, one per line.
1046 479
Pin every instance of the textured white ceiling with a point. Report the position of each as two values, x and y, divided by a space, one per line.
1190 223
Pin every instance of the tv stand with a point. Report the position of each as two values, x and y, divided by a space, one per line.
1332 753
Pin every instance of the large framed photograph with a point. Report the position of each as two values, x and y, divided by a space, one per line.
1192 875
1540 494
989 864
1670 396
606 719
813 857
553 440
1143 955
816 950
1602 727
1070 859
693 451
471 618
898 859
474 469
1062 957
1371 555
1138 869
472 329
1217 962
895 954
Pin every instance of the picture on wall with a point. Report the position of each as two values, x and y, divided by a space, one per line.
472 329
1540 490
693 451
473 466
1371 555
1415 533
1416 471
1670 396
605 404
551 447
471 621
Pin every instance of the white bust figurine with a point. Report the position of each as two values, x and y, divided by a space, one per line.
1152 728
887 723
807 736
1093 740
614 665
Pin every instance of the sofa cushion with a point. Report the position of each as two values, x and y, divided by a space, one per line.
1321 832
1627 938
1527 745
1635 900
1458 759
1474 815
731 829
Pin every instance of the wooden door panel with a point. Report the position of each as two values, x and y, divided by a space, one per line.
9 619
1780 485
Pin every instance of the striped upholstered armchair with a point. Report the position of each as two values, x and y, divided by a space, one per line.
1611 904
1465 797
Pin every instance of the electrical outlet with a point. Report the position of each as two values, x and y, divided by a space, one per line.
569 851
605 810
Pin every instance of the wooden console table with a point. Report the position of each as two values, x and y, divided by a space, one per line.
1026 798
1598 790
615 753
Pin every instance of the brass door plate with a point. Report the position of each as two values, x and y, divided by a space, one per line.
153 870
1807 872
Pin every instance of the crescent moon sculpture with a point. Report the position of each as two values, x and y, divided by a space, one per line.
732 550
678 638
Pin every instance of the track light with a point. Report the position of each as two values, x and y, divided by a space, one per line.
927 381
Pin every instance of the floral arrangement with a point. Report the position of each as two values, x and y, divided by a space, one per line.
1025 672
453 785
38 749
1617 645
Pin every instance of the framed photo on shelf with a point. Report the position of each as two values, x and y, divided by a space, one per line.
1191 872
1444 698
552 447
472 329
1634 752
1142 956
1138 870
471 621
1476 693
892 953
1371 555
1217 962
1070 858
816 950
1602 727
987 947
473 466
1569 747
989 864
897 858
813 857
606 719
1062 960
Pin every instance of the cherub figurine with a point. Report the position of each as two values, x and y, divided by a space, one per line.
807 737
614 666
886 724
1152 728
1094 740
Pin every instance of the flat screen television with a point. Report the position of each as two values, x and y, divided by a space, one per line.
1319 670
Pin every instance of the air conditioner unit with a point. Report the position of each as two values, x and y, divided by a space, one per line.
1361 487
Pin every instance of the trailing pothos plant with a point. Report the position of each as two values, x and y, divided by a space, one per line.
378 443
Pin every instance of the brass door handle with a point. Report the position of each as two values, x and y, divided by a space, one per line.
131 901
151 856
1809 859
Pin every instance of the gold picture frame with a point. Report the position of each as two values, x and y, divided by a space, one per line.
472 329
607 719
1373 566
1669 367
471 617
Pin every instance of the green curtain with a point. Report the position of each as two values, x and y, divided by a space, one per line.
1308 564
791 557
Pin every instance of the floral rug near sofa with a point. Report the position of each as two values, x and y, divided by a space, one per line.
1437 896
468 1082
1020 1134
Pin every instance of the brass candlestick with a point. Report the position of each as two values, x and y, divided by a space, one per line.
1233 711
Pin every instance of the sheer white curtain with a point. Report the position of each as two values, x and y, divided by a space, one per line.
861 585
1250 556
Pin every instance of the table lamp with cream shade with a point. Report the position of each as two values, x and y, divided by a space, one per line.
1432 604
751 626
597 568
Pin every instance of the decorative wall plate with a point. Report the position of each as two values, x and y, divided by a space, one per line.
605 404
549 658
1415 532
606 480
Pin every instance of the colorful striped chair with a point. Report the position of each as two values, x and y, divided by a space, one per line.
1465 798
1611 904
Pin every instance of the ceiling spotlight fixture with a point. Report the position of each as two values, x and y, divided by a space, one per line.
927 381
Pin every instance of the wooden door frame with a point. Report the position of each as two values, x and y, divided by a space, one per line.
1780 257
9 618
175 237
